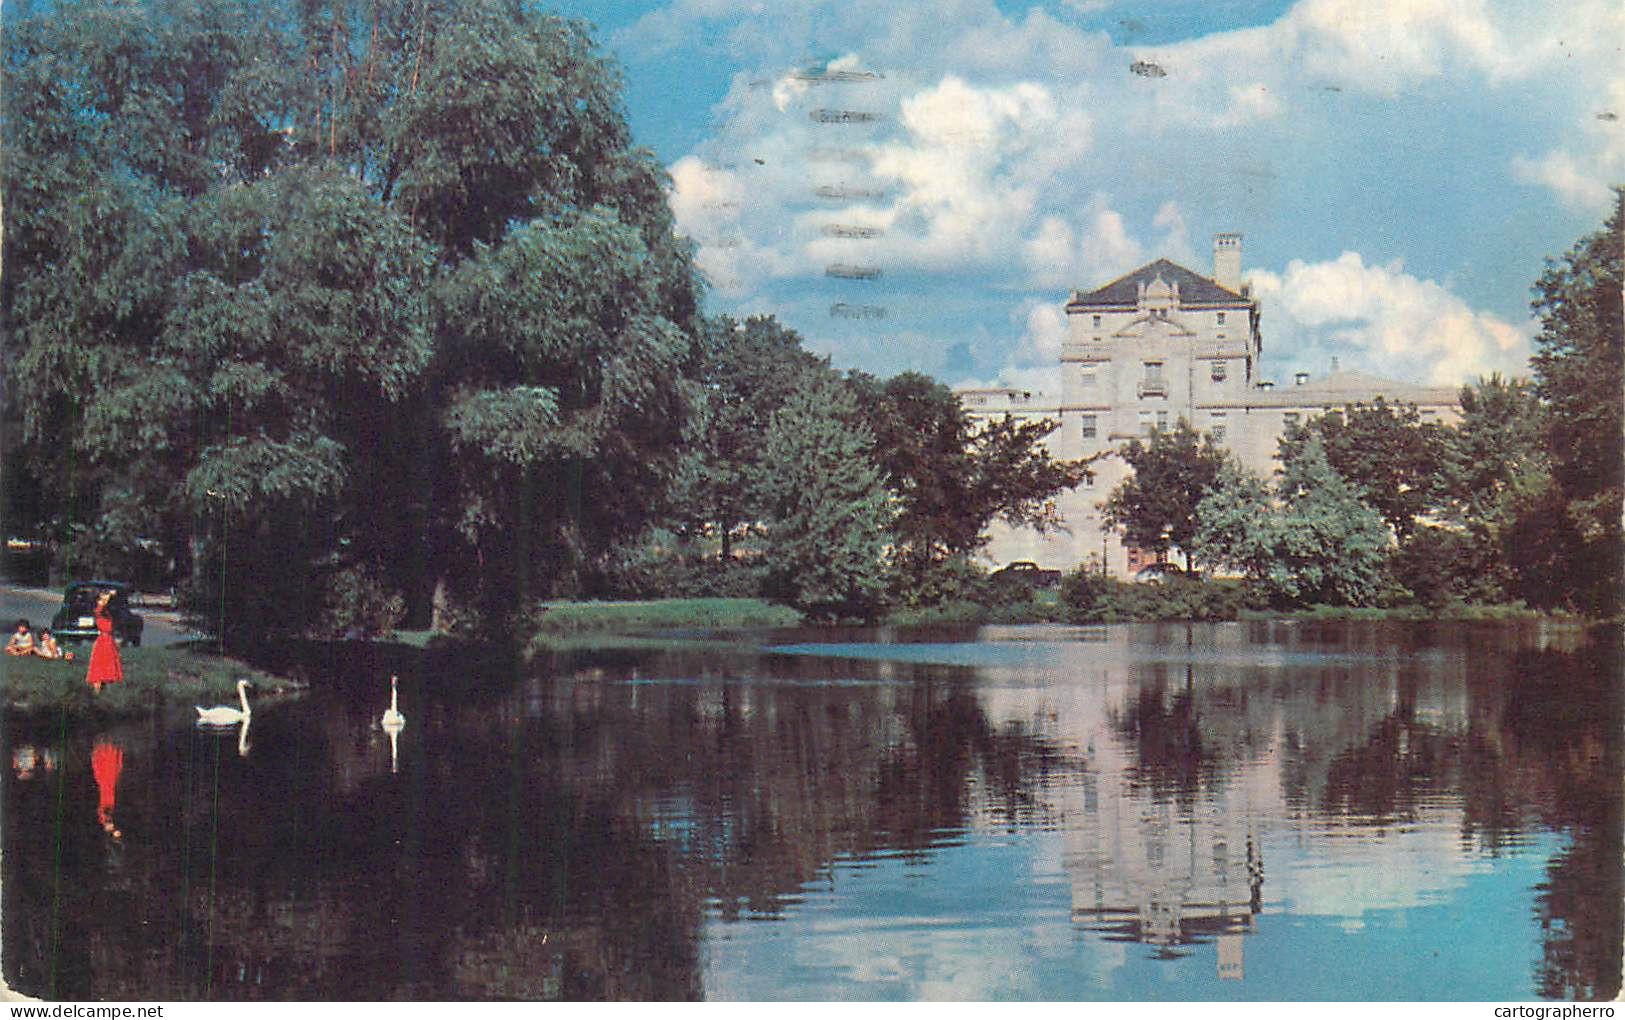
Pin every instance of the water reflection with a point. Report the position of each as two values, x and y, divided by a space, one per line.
106 763
1124 812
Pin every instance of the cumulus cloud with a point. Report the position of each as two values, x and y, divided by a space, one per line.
1060 256
1383 320
1011 157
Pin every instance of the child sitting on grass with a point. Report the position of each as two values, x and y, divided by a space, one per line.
49 649
22 640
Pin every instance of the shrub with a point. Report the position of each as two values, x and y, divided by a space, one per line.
1092 597
360 603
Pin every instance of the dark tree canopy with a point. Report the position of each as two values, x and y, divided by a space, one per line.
1579 363
952 475
383 286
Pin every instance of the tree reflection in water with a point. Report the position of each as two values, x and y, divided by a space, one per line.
571 831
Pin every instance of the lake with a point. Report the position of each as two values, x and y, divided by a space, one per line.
1261 810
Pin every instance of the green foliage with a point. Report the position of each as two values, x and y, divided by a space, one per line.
1155 507
1093 597
952 476
1497 441
1579 363
360 602
747 371
555 623
387 278
1232 521
662 563
828 512
1327 545
1395 459
1313 540
1444 565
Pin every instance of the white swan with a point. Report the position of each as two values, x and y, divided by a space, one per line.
392 715
225 715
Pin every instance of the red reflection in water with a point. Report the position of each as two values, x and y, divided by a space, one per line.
107 761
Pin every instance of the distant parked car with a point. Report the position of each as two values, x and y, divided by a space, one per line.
1028 573
76 621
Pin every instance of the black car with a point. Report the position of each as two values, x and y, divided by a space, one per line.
1028 573
76 621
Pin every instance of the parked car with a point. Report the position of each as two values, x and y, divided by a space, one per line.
75 620
1028 573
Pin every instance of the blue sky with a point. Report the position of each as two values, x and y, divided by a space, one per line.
1399 168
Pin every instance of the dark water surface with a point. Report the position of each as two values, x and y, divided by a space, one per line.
1235 811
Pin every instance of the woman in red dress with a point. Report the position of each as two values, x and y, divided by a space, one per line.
105 667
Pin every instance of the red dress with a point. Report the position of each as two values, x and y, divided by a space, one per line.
105 667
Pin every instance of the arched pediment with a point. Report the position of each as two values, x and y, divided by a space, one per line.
1156 325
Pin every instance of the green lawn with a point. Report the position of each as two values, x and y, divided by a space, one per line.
592 623
153 678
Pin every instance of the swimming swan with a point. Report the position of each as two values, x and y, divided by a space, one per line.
225 715
392 715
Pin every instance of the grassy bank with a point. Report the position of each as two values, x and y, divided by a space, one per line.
570 623
154 678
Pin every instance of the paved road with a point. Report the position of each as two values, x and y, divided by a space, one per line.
38 605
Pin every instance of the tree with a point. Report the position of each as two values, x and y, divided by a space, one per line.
1234 526
828 512
748 370
1578 365
1155 507
1312 540
561 392
1395 458
1327 545
1492 449
953 476
190 187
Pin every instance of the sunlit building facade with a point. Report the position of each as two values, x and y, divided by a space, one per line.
1161 344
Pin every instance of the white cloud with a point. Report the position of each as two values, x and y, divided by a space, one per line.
1176 239
1581 177
1576 186
1017 156
1385 44
1059 256
1381 319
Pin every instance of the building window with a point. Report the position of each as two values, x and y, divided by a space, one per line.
1220 370
1147 422
1087 379
1221 318
1216 427
1153 384
1090 429
1162 420
1096 320
1290 418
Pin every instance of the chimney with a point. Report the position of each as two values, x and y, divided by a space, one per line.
1227 261
1300 378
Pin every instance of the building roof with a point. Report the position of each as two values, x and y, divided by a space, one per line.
1125 290
1340 388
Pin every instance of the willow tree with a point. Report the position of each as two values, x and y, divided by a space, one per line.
268 276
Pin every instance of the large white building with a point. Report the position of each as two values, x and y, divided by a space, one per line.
1147 349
